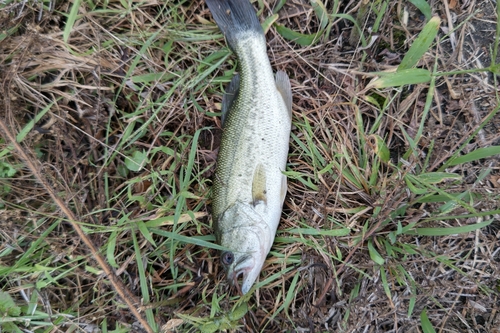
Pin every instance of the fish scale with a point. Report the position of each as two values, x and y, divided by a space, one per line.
249 185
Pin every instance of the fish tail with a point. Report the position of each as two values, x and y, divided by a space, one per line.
235 18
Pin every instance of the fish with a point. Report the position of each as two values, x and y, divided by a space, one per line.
249 186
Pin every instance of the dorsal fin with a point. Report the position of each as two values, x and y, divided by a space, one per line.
285 90
230 96
259 192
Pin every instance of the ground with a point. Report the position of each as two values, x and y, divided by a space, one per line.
110 130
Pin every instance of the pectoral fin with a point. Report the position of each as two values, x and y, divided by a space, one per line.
283 188
230 96
285 90
259 192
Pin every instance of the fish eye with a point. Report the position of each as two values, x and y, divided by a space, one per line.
227 258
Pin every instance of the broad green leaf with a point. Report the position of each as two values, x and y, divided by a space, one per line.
421 44
209 327
476 155
8 306
297 37
7 170
239 311
424 7
137 161
400 78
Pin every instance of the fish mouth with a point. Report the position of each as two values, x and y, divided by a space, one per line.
243 266
243 269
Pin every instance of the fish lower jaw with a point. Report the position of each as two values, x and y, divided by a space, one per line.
247 274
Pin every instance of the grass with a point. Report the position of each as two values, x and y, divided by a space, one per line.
391 217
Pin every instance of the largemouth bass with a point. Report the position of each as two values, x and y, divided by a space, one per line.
249 186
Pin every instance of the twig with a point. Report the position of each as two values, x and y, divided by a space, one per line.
453 39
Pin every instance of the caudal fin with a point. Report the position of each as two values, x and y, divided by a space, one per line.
235 18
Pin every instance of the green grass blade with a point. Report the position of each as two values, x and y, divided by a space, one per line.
145 232
268 22
400 78
426 323
291 292
356 25
465 216
437 177
486 121
110 250
278 6
29 126
476 155
188 240
450 230
421 44
297 37
376 257
381 14
71 20
424 7
428 104
385 284
321 12
143 282
315 232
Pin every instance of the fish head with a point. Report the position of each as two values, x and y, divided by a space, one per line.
248 240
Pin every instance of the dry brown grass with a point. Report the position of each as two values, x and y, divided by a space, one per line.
100 108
